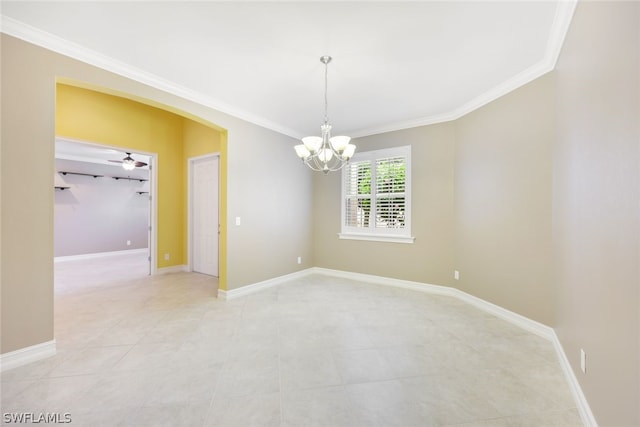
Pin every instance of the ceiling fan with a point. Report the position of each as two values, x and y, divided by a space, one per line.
129 163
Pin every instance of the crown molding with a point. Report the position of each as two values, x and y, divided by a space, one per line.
562 20
559 30
64 47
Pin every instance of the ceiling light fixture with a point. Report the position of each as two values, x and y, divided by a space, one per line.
128 163
325 153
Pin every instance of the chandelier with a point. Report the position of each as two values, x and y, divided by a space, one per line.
325 153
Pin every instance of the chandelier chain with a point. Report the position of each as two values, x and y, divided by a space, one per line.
326 96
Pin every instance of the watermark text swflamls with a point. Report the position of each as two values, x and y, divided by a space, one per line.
35 418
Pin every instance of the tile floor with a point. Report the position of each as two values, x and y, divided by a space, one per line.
320 351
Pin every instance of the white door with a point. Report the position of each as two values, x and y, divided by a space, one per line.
204 179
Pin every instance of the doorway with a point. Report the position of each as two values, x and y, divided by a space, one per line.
103 209
204 223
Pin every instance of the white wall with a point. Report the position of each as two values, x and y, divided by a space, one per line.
99 214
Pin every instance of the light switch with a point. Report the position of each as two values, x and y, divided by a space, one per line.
237 220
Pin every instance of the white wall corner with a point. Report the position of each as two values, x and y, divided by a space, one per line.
26 355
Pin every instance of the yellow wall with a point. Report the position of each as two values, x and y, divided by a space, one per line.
199 139
92 116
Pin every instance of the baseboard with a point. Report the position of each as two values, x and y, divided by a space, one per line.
523 322
517 319
173 269
100 255
386 281
259 286
581 401
20 357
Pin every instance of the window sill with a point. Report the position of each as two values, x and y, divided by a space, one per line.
376 238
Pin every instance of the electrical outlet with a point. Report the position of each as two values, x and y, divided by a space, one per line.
583 361
299 260
166 256
456 274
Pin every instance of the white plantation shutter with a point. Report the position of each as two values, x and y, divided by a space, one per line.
376 196
390 192
357 194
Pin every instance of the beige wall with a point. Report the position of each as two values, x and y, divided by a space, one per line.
27 201
595 206
265 186
503 201
430 258
273 200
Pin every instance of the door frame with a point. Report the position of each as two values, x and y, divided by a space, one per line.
153 193
190 198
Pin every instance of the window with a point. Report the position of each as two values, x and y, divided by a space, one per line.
376 196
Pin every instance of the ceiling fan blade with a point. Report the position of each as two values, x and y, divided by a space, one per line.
129 159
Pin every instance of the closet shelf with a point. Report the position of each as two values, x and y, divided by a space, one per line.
79 173
100 176
129 178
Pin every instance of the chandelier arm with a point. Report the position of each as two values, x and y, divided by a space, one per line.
315 164
313 168
338 164
335 152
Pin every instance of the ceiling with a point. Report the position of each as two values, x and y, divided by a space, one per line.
395 64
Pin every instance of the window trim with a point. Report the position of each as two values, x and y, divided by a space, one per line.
376 237
392 235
